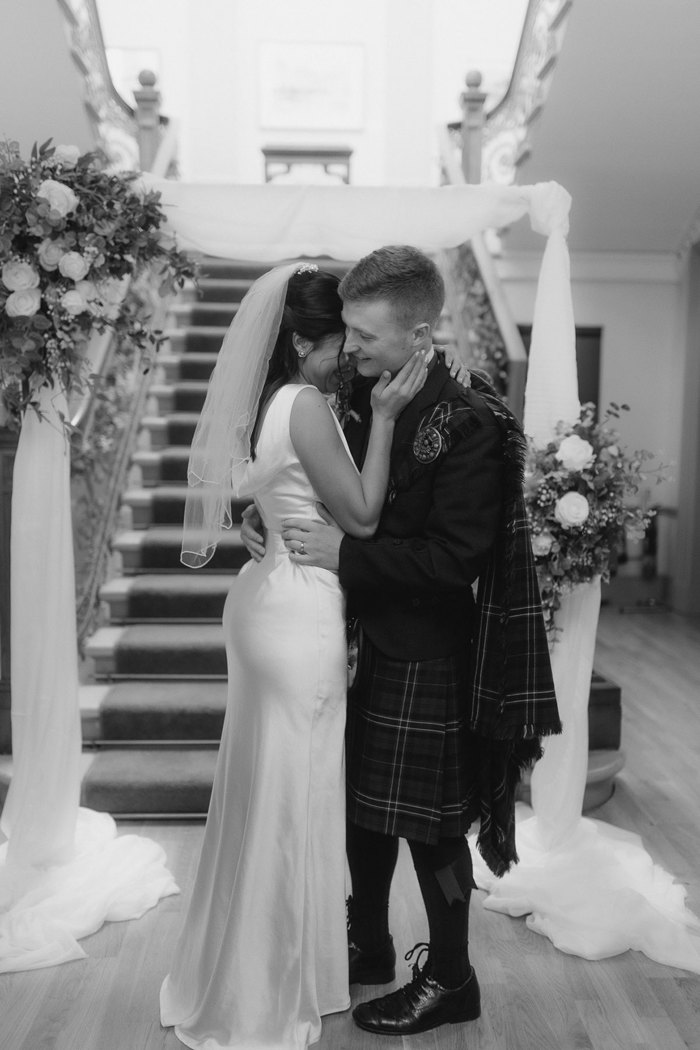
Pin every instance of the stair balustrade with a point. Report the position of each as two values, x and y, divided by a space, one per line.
484 329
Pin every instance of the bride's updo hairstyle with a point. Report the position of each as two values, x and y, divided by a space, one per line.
311 309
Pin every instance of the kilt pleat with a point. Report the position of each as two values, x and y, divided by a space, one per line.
410 758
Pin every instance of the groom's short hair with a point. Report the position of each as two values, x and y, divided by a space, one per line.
401 275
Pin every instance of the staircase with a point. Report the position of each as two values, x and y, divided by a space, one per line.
153 710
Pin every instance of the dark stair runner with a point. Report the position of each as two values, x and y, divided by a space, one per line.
155 706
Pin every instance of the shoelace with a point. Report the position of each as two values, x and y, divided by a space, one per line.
421 948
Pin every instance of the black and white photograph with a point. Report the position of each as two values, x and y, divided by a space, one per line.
349 524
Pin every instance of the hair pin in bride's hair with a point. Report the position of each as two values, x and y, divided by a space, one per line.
307 268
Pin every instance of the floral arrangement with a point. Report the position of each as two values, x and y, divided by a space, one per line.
577 494
72 236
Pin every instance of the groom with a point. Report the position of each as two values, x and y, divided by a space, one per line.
452 693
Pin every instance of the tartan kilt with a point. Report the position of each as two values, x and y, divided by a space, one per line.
411 761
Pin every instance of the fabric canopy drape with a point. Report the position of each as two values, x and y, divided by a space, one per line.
269 223
64 870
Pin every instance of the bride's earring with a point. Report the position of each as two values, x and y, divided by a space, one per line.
301 349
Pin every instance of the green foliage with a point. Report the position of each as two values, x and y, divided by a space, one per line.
72 239
578 491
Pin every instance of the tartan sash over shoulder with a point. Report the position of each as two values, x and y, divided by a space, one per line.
511 690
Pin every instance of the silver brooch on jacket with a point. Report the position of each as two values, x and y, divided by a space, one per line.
427 444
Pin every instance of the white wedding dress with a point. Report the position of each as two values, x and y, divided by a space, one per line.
262 953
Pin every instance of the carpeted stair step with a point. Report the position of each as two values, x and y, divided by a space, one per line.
165 505
233 269
161 711
186 395
185 596
147 650
222 289
176 429
177 367
163 465
150 782
196 340
230 268
158 548
193 314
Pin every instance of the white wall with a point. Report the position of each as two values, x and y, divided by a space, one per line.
636 301
41 88
416 56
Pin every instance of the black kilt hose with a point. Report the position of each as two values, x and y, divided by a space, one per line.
410 759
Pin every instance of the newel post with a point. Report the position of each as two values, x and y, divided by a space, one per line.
147 118
472 101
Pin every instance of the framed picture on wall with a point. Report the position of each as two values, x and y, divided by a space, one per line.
314 86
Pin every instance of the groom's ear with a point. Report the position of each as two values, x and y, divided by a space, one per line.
421 333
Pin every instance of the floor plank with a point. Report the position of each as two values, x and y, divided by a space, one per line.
535 998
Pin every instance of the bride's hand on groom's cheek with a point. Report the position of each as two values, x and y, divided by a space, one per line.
313 542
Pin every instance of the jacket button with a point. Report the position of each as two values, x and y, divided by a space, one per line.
415 602
397 542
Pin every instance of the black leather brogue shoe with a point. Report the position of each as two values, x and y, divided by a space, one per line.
375 967
420 1005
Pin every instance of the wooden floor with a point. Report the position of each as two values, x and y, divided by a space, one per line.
535 998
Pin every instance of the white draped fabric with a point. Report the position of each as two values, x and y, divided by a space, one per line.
591 888
63 871
552 383
558 780
273 222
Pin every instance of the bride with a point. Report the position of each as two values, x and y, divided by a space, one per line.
262 952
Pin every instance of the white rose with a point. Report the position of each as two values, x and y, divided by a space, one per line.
24 303
571 509
66 155
73 265
73 303
542 543
18 275
89 293
61 198
111 292
575 453
113 289
49 252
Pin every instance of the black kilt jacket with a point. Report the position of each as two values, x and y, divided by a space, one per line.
411 585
